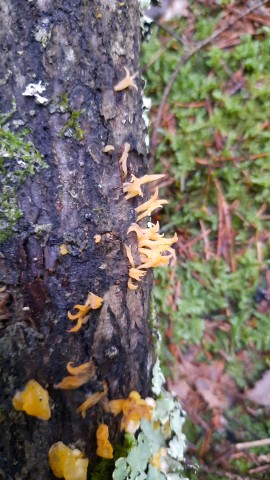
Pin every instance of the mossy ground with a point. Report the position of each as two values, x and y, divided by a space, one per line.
214 145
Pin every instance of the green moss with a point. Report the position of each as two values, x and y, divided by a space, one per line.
104 468
73 125
63 102
18 159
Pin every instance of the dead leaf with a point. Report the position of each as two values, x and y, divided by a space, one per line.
261 392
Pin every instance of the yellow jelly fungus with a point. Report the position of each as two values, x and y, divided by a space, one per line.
148 207
97 238
92 400
127 81
123 159
104 447
63 249
133 188
34 400
133 408
67 463
79 376
93 302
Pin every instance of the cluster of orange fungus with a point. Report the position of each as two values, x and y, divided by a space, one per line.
78 375
92 400
154 251
67 463
34 400
104 447
92 303
133 188
133 408
148 207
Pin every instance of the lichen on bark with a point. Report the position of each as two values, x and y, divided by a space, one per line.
18 159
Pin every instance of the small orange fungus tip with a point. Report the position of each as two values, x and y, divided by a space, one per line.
133 408
133 188
92 303
126 82
97 238
92 400
34 400
151 233
136 274
63 249
131 285
124 157
79 376
129 255
67 463
108 148
104 447
148 207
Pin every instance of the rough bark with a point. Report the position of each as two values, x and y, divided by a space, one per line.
85 46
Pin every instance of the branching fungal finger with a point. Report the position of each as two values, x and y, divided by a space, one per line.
126 82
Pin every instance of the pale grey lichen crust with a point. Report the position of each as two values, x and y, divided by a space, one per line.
157 452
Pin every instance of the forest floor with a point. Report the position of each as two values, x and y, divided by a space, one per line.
211 136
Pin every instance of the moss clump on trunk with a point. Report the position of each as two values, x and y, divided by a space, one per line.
18 159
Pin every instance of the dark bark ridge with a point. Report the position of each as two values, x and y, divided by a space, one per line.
77 50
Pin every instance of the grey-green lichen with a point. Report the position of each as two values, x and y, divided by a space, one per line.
18 159
43 32
157 452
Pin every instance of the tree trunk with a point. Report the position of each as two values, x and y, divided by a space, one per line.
77 49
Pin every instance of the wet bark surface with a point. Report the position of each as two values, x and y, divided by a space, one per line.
77 49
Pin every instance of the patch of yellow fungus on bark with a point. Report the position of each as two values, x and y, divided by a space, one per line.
148 207
79 376
126 82
92 303
104 447
34 400
67 463
124 157
92 400
133 408
133 188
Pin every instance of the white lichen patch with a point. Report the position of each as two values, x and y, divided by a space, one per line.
144 6
34 90
43 32
157 453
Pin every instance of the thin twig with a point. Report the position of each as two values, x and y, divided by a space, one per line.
255 443
182 61
170 32
222 473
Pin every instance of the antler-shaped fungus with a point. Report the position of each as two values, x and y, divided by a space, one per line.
133 188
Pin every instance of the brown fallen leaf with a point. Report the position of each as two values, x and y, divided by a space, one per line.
260 393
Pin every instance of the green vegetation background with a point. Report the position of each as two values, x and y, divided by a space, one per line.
214 144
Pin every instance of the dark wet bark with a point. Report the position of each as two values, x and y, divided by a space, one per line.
78 196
